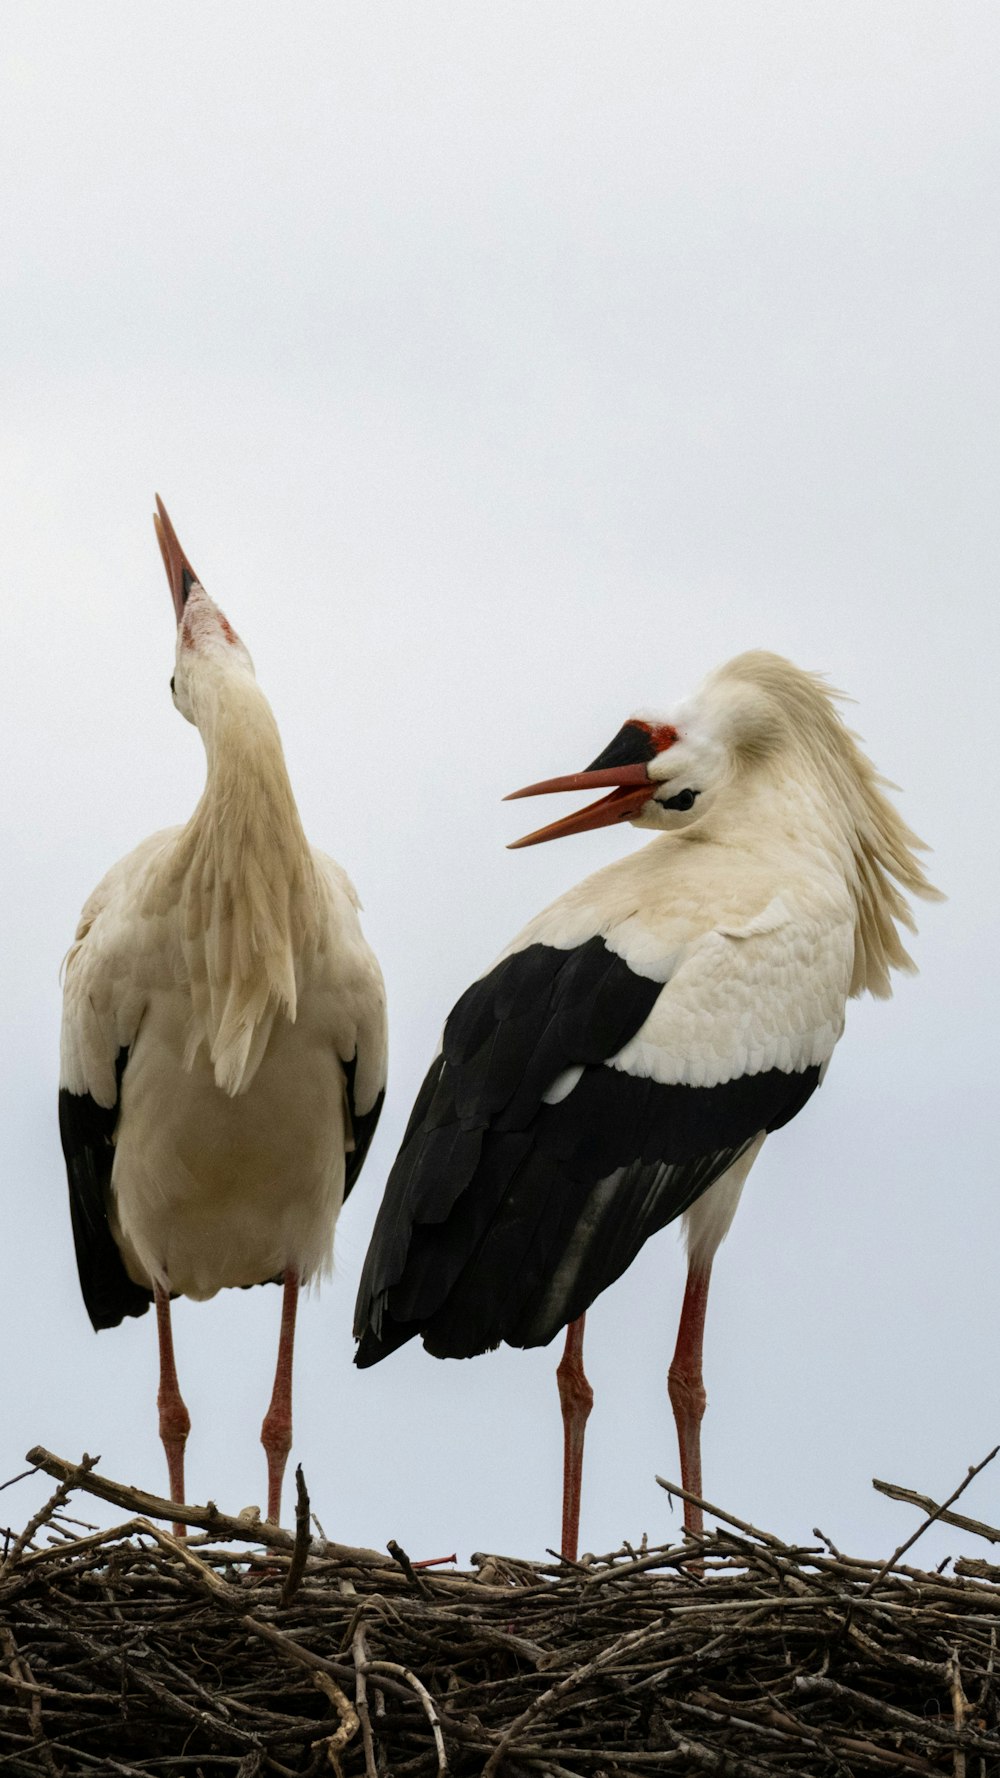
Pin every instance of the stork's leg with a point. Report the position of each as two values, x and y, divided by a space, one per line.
175 1421
276 1432
577 1399
686 1389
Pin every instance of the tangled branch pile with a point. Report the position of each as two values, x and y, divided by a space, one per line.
131 1651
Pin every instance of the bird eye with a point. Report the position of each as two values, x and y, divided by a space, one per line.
684 799
173 687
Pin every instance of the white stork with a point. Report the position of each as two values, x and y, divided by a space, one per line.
622 1063
223 1040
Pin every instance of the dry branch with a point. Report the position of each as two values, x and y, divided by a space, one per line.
207 1518
936 1512
910 1497
297 1565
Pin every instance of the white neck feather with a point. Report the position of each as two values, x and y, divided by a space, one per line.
247 885
797 746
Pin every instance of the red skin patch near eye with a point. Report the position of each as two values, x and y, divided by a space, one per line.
660 733
202 622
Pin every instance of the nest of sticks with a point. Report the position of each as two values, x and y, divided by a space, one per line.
246 1649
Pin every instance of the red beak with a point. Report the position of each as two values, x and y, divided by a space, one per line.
180 573
625 801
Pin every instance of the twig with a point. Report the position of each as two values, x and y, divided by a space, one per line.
663 1558
710 1759
360 1653
81 1545
960 1708
333 1745
297 1566
910 1497
975 1568
76 1475
430 1709
25 1473
717 1513
399 1555
208 1518
924 1728
936 1514
629 1641
208 1577
569 1562
21 1672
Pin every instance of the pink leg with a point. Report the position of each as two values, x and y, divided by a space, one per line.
686 1389
175 1421
577 1399
276 1432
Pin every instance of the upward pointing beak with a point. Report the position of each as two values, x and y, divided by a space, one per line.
180 573
633 788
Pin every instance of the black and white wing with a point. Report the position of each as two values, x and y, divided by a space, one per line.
363 1125
102 1008
87 1130
358 1017
577 1106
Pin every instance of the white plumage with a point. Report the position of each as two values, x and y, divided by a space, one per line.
224 1027
231 1181
623 1061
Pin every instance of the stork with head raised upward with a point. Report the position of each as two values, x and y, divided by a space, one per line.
223 1041
622 1063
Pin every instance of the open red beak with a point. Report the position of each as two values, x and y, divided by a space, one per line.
180 573
633 788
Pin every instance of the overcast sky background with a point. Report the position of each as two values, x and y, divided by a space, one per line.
506 367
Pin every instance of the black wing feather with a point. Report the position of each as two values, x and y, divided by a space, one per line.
87 1130
504 1216
363 1124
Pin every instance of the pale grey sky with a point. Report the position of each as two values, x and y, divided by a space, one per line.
506 367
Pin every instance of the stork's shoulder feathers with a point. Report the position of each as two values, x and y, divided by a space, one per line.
754 957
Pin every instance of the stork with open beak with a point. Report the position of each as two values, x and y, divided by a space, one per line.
224 1038
622 1063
